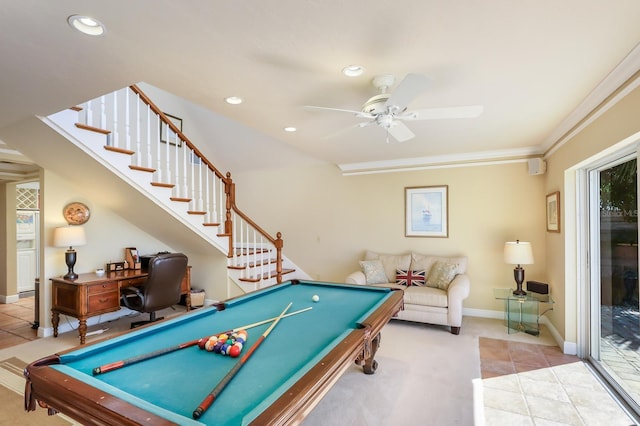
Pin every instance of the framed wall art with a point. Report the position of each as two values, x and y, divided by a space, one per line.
164 129
427 211
553 212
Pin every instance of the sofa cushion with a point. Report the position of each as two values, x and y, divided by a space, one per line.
409 277
425 261
441 274
391 263
373 271
426 296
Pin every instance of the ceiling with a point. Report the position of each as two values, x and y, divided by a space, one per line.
533 65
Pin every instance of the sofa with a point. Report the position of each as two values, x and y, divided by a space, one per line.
434 286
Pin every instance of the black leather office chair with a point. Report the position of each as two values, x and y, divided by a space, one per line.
160 290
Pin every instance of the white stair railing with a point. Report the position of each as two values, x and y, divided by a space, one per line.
135 126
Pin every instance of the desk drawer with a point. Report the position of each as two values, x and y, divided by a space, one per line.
132 281
104 301
103 288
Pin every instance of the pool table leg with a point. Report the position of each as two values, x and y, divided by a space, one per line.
82 330
55 321
370 364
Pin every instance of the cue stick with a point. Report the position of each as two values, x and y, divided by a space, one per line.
206 403
123 363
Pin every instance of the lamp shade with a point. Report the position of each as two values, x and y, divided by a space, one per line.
67 236
518 253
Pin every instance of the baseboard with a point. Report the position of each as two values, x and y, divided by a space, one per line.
482 313
69 323
9 299
569 348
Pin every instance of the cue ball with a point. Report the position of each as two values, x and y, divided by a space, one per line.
315 298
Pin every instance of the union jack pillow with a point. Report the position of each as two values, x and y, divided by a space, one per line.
409 278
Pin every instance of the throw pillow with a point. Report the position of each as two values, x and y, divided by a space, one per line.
441 274
391 262
409 278
373 271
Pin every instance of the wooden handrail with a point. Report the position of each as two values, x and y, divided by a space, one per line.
229 188
175 129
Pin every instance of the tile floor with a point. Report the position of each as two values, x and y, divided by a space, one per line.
531 384
16 320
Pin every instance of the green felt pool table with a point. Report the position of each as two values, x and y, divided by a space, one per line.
280 383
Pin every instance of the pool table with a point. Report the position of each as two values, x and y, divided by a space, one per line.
280 383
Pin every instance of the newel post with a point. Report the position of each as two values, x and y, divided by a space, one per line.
279 244
229 190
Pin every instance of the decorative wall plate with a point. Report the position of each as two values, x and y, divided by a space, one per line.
76 213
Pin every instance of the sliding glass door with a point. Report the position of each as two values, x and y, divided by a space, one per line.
614 309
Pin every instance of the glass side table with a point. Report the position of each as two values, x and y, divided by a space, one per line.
522 313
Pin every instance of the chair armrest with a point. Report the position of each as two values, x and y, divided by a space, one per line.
130 291
356 278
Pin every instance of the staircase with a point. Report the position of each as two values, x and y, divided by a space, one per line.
128 134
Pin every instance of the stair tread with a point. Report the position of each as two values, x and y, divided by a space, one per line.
142 169
119 150
162 184
258 278
252 264
93 129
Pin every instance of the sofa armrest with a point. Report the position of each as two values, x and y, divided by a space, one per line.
458 291
459 288
356 278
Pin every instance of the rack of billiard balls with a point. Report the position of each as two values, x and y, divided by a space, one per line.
225 344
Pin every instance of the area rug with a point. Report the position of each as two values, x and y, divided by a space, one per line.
11 394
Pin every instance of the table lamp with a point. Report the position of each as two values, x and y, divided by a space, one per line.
518 253
68 236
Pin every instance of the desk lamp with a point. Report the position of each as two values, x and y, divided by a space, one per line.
68 236
518 253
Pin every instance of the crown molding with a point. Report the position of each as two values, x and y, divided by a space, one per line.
615 86
470 159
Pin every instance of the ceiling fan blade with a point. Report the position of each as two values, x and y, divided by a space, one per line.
400 131
407 90
356 113
346 129
470 111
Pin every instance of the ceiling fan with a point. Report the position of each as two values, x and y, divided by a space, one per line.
389 110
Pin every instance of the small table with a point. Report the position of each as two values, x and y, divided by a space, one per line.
522 313
280 384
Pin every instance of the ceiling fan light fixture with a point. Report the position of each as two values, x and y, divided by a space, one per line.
353 71
290 129
233 100
86 25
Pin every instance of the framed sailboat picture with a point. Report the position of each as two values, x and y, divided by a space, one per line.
427 211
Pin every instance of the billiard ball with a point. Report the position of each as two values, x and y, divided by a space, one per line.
315 298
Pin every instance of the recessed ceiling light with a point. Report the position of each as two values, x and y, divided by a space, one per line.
233 100
290 129
86 24
353 71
